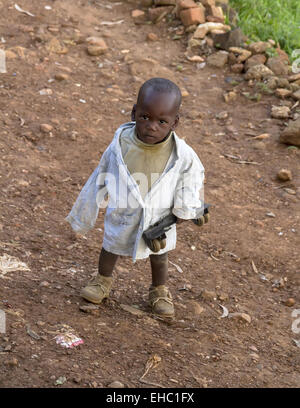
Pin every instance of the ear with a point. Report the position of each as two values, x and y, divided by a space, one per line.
133 112
175 124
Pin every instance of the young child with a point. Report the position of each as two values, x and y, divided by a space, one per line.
147 172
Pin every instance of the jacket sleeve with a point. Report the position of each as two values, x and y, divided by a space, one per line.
189 193
85 210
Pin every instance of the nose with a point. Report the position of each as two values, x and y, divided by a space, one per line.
151 125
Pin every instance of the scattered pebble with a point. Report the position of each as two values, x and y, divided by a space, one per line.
61 76
45 128
208 295
12 362
77 379
46 91
280 112
116 384
45 284
241 316
284 175
289 302
152 37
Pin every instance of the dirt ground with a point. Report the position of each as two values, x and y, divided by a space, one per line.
243 259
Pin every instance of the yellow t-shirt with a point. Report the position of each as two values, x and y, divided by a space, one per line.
145 162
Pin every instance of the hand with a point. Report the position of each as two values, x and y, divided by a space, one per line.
202 220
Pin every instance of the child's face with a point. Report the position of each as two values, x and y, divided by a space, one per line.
156 114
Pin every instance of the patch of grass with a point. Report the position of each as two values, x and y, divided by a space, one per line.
278 20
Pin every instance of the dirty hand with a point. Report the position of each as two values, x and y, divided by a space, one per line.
202 220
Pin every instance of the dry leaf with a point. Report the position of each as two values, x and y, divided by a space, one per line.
254 267
225 311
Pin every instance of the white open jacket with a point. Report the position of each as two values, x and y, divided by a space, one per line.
178 190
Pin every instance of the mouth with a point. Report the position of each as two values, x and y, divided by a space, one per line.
149 137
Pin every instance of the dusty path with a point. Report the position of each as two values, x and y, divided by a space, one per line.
42 173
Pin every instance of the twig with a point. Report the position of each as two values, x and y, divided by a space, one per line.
254 267
216 259
150 383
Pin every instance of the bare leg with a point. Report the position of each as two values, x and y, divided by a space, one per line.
159 295
107 262
159 268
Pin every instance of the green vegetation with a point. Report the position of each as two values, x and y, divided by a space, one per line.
278 20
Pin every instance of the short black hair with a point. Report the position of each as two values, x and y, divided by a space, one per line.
161 85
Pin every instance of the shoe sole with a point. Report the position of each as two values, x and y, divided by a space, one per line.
96 302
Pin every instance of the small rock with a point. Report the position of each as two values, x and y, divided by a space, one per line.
195 308
61 76
184 93
290 302
258 59
283 93
60 380
258 72
152 37
195 58
192 16
283 83
259 145
222 115
253 348
45 128
277 66
116 384
233 38
92 309
218 60
157 13
77 379
259 47
243 54
290 191
12 362
208 295
45 284
291 135
164 2
232 58
284 175
280 112
57 47
254 356
296 95
237 68
46 91
223 296
295 77
294 87
241 316
97 46
133 310
138 16
206 28
10 55
96 41
230 96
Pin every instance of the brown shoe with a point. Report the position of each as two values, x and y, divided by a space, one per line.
98 289
160 300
